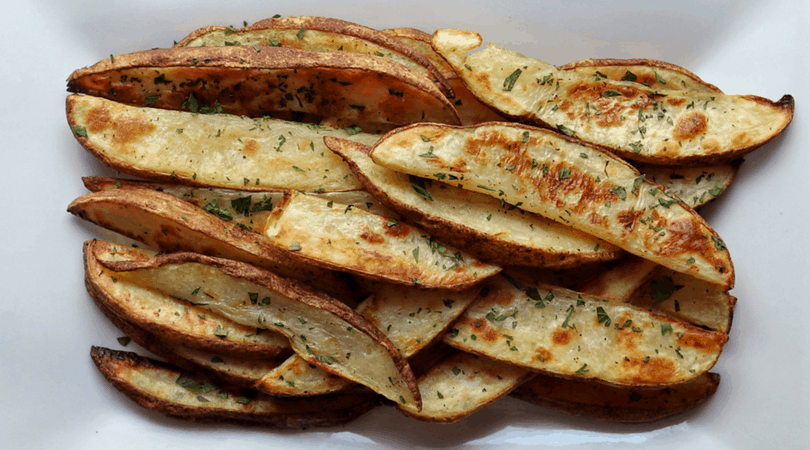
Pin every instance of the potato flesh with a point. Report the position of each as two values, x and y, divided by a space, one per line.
590 190
636 122
352 240
462 384
580 336
218 150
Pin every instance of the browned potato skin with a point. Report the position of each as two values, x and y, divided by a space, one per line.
289 288
336 26
116 366
170 224
237 76
598 401
120 311
458 235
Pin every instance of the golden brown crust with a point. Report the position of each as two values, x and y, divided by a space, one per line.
237 77
118 367
589 399
289 288
336 26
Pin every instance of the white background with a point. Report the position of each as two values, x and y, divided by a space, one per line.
53 397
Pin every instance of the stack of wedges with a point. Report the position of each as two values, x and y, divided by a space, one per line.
330 217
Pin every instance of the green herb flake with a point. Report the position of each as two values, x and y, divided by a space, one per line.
124 340
666 328
564 173
611 93
582 370
294 246
80 130
509 82
565 130
602 316
150 100
629 76
662 289
300 34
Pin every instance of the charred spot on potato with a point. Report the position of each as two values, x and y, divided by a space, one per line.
690 126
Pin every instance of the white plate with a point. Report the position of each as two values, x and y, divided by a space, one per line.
53 397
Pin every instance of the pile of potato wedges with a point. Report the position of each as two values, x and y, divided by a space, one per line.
329 218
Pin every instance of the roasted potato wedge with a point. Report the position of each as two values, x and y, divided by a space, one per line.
561 332
211 150
588 399
224 367
653 74
166 223
491 230
635 122
247 209
323 331
470 109
696 186
546 173
163 388
411 318
186 322
244 81
685 298
351 240
462 384
318 34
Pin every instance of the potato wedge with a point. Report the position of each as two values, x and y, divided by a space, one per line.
696 186
621 281
210 150
462 384
166 223
163 388
247 209
470 109
653 74
318 34
482 225
186 322
323 331
546 173
588 399
631 120
243 81
420 42
562 332
685 298
343 238
411 318
223 367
